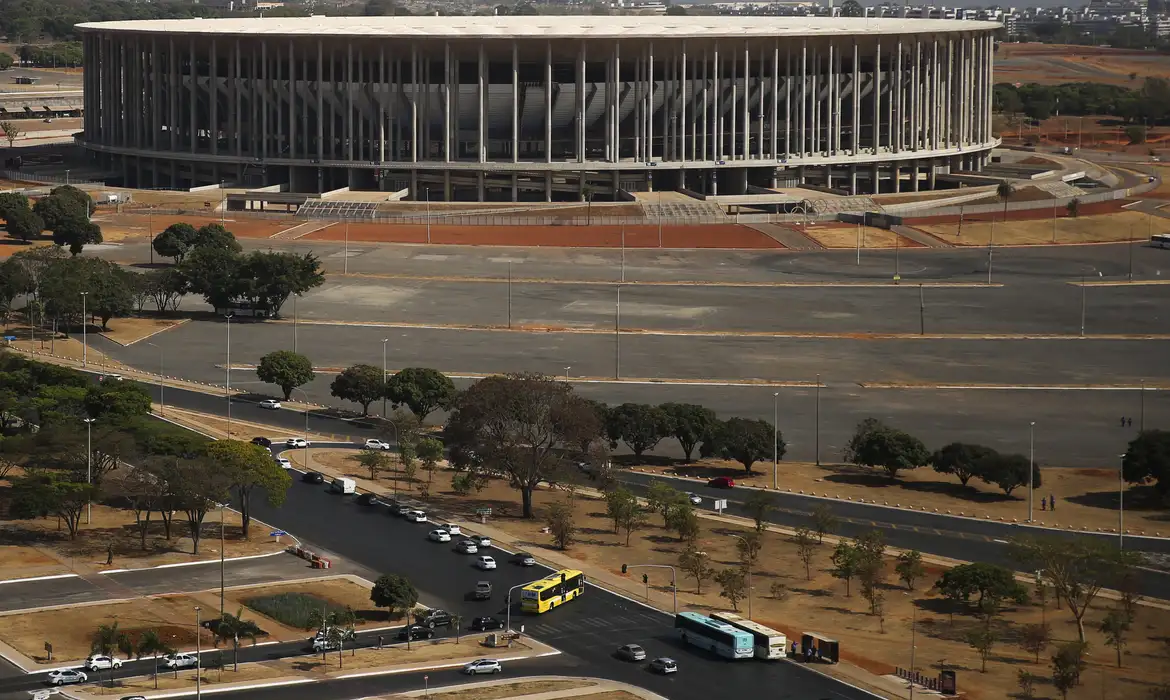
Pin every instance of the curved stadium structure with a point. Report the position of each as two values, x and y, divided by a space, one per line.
539 108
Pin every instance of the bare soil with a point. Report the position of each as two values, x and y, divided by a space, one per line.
837 236
1061 63
343 592
1118 226
503 691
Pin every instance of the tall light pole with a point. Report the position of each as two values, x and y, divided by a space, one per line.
775 440
508 605
427 193
749 576
1031 464
384 341
306 395
1121 503
818 421
1082 305
222 517
913 643
198 652
1142 412
229 367
88 466
617 336
295 322
222 201
84 333
567 368
162 397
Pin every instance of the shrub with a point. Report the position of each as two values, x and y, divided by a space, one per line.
292 609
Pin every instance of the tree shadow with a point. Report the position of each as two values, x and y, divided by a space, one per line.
844 611
595 531
814 592
661 539
599 543
1137 498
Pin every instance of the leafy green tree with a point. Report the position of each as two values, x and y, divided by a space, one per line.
421 389
845 563
641 426
24 224
373 460
748 547
683 520
41 495
982 640
1115 626
151 644
84 203
618 502
430 451
75 233
232 628
697 565
1147 460
877 445
114 403
1073 207
361 384
962 459
852 8
250 467
823 521
11 202
6 62
732 586
662 497
394 592
214 274
909 567
56 209
175 241
1068 663
268 279
166 288
689 424
1136 133
286 369
198 486
994 585
871 566
1005 189
215 236
1035 638
105 639
559 519
746 441
758 505
1009 472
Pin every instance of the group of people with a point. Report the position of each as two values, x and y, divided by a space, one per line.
1126 422
1048 503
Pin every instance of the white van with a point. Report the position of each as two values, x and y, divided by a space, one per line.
343 485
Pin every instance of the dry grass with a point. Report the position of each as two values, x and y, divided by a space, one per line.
342 592
186 678
27 562
241 430
846 237
1119 226
503 691
609 695
126 331
46 341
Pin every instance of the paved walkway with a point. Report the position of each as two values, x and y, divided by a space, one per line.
920 237
600 685
790 238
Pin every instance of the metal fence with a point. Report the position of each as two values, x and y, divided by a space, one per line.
45 178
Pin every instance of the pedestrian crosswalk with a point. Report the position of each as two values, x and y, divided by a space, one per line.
603 627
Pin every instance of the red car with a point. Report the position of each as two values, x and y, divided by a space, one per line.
721 482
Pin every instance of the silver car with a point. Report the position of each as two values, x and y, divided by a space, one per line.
631 652
479 666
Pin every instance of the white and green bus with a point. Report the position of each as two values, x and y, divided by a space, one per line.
769 643
714 636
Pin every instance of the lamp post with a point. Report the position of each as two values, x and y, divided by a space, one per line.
567 368
295 322
617 335
775 440
222 517
198 652
162 396
88 466
1121 503
303 393
427 194
749 576
673 578
84 333
508 605
229 367
384 341
1031 464
818 421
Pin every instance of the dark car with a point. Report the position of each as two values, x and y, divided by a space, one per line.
368 499
524 559
313 478
416 632
435 618
481 624
721 482
262 441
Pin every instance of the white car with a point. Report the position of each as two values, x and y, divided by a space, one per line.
485 563
100 661
284 462
296 442
270 403
696 499
374 444
467 547
175 661
482 666
416 516
451 528
68 675
481 541
439 536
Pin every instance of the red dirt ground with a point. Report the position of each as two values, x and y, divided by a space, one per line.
712 236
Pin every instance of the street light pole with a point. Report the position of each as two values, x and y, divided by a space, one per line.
384 341
1142 412
295 322
775 440
1031 464
198 652
162 396
222 517
508 605
1082 305
427 193
229 367
818 421
84 333
88 466
617 336
1121 503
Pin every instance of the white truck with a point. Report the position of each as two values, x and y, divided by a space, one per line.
343 485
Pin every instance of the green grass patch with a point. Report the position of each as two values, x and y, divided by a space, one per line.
292 609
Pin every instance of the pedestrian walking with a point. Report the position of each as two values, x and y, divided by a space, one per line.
110 554
1129 422
1052 501
1043 503
1123 421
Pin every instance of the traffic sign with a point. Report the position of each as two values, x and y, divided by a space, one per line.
483 511
721 504
277 533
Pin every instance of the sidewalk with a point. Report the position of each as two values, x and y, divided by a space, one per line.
587 686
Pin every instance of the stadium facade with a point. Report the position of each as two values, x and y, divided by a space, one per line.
539 108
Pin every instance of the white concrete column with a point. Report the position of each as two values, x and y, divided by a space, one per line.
447 102
877 100
855 90
320 100
413 112
787 100
899 115
803 98
193 76
548 109
481 116
515 103
650 104
776 101
706 106
717 117
580 125
683 107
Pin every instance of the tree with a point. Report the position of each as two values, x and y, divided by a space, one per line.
197 486
286 369
1073 207
1035 638
618 503
683 520
430 451
39 495
145 492
961 459
559 520
75 233
1004 190
871 565
394 591
732 586
909 567
151 644
373 460
852 8
982 640
748 546
689 423
518 425
84 204
845 563
421 389
877 445
1115 626
1010 471
641 426
823 521
268 278
11 130
361 384
24 224
1136 133
215 236
175 241
11 202
697 565
662 498
758 505
249 467
106 639
1147 460
806 547
676 11
214 274
166 288
1067 665
231 628
746 441
779 591
58 208
993 584
6 62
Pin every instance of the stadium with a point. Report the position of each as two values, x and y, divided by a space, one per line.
535 109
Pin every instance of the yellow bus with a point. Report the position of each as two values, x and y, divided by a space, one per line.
552 591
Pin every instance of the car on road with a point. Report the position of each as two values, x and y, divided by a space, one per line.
368 499
523 559
439 536
175 661
133 697
664 665
416 516
696 499
271 404
313 478
297 443
481 541
483 624
262 441
435 618
485 563
376 444
416 632
284 462
100 661
631 652
67 675
479 666
466 547
721 482
483 590
451 528
324 644
403 509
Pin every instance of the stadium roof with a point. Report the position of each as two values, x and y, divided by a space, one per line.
550 27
